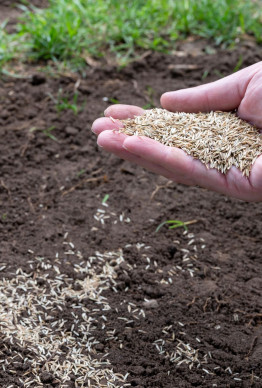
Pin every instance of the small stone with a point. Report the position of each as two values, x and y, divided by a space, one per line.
46 377
5 114
38 79
99 347
137 370
71 131
154 292
150 304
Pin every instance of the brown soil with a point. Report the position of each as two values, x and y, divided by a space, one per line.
183 309
10 11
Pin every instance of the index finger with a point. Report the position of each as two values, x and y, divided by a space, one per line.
121 111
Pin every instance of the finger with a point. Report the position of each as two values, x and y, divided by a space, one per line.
102 124
256 176
122 112
251 106
113 141
190 171
184 168
224 94
181 167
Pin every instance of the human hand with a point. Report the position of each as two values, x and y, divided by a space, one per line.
241 91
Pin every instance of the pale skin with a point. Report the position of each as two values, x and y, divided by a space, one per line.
241 91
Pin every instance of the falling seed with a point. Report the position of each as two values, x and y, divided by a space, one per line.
220 140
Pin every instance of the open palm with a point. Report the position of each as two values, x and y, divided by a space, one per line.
241 91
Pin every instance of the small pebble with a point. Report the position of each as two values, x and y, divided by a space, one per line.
150 304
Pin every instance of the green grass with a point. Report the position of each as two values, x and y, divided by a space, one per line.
80 173
9 45
172 224
104 200
48 133
70 30
63 103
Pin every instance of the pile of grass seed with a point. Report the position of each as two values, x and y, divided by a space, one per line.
218 139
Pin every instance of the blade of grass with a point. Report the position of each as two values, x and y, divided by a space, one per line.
48 133
104 200
175 224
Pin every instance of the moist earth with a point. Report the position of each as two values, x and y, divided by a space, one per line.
179 308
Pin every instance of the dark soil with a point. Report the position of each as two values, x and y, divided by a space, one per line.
202 288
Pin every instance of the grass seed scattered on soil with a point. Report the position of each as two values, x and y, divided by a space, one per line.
218 139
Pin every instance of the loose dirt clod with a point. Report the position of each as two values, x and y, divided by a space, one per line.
218 139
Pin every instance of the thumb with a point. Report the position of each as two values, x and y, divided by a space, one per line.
250 108
225 94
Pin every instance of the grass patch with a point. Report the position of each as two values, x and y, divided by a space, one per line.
63 103
9 45
74 29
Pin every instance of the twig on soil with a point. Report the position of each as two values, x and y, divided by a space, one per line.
25 146
99 178
253 344
5 187
258 315
220 302
32 208
158 188
252 315
249 315
192 302
206 303
252 377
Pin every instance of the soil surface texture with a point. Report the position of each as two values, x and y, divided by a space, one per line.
90 294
